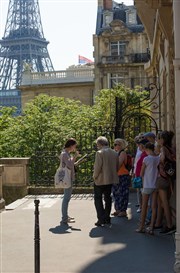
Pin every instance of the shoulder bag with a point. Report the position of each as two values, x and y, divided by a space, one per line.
170 165
62 178
137 182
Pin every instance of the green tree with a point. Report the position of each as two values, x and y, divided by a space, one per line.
48 121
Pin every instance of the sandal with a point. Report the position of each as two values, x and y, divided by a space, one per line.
158 227
149 230
122 214
140 230
115 213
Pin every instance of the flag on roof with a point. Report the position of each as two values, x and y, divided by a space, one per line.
83 60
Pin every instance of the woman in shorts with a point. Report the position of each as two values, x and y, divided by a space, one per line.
149 173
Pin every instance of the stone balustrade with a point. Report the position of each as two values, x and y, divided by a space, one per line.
62 76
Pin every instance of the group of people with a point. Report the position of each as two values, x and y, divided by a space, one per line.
112 180
158 187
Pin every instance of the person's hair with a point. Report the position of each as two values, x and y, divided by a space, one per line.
122 142
167 137
139 137
70 142
150 146
102 141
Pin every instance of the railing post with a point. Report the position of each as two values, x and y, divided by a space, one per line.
36 238
118 127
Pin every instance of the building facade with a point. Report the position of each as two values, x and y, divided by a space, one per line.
76 83
161 20
161 45
120 46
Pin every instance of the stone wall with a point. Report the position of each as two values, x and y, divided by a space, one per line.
15 178
2 202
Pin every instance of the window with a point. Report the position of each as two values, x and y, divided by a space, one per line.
118 49
121 77
115 79
131 17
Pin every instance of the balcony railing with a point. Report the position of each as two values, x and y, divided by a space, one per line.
131 58
63 76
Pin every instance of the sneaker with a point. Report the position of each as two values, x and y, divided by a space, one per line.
70 218
167 230
138 210
66 222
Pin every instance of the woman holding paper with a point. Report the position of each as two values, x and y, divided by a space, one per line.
69 161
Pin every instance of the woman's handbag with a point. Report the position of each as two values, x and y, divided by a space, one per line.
62 178
170 168
137 182
170 164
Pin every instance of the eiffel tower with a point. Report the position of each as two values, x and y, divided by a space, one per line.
23 43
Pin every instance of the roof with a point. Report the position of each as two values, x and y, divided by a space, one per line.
119 13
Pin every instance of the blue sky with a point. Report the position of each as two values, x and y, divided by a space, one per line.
68 25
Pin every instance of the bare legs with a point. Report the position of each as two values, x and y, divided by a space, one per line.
163 195
145 199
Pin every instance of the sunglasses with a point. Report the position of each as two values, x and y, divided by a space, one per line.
115 144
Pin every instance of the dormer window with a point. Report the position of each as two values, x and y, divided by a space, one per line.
107 18
131 17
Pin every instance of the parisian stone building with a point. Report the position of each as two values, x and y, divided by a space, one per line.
120 51
161 20
76 82
120 46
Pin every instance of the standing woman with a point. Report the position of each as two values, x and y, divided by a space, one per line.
68 161
121 190
164 183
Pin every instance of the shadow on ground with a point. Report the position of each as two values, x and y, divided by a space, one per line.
134 252
62 229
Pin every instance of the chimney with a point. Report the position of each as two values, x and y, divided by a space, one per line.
100 3
107 4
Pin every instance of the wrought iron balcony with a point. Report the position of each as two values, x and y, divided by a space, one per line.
131 58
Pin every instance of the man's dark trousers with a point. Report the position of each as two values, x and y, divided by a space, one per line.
103 210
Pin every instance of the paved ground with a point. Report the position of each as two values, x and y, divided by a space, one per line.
81 247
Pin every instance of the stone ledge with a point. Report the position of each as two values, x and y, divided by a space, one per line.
52 190
14 161
12 193
2 203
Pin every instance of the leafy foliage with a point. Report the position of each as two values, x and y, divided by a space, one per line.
48 121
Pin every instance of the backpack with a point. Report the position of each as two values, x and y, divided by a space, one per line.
129 163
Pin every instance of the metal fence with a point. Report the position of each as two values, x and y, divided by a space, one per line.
43 164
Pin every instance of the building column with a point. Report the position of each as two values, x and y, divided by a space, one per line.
176 12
